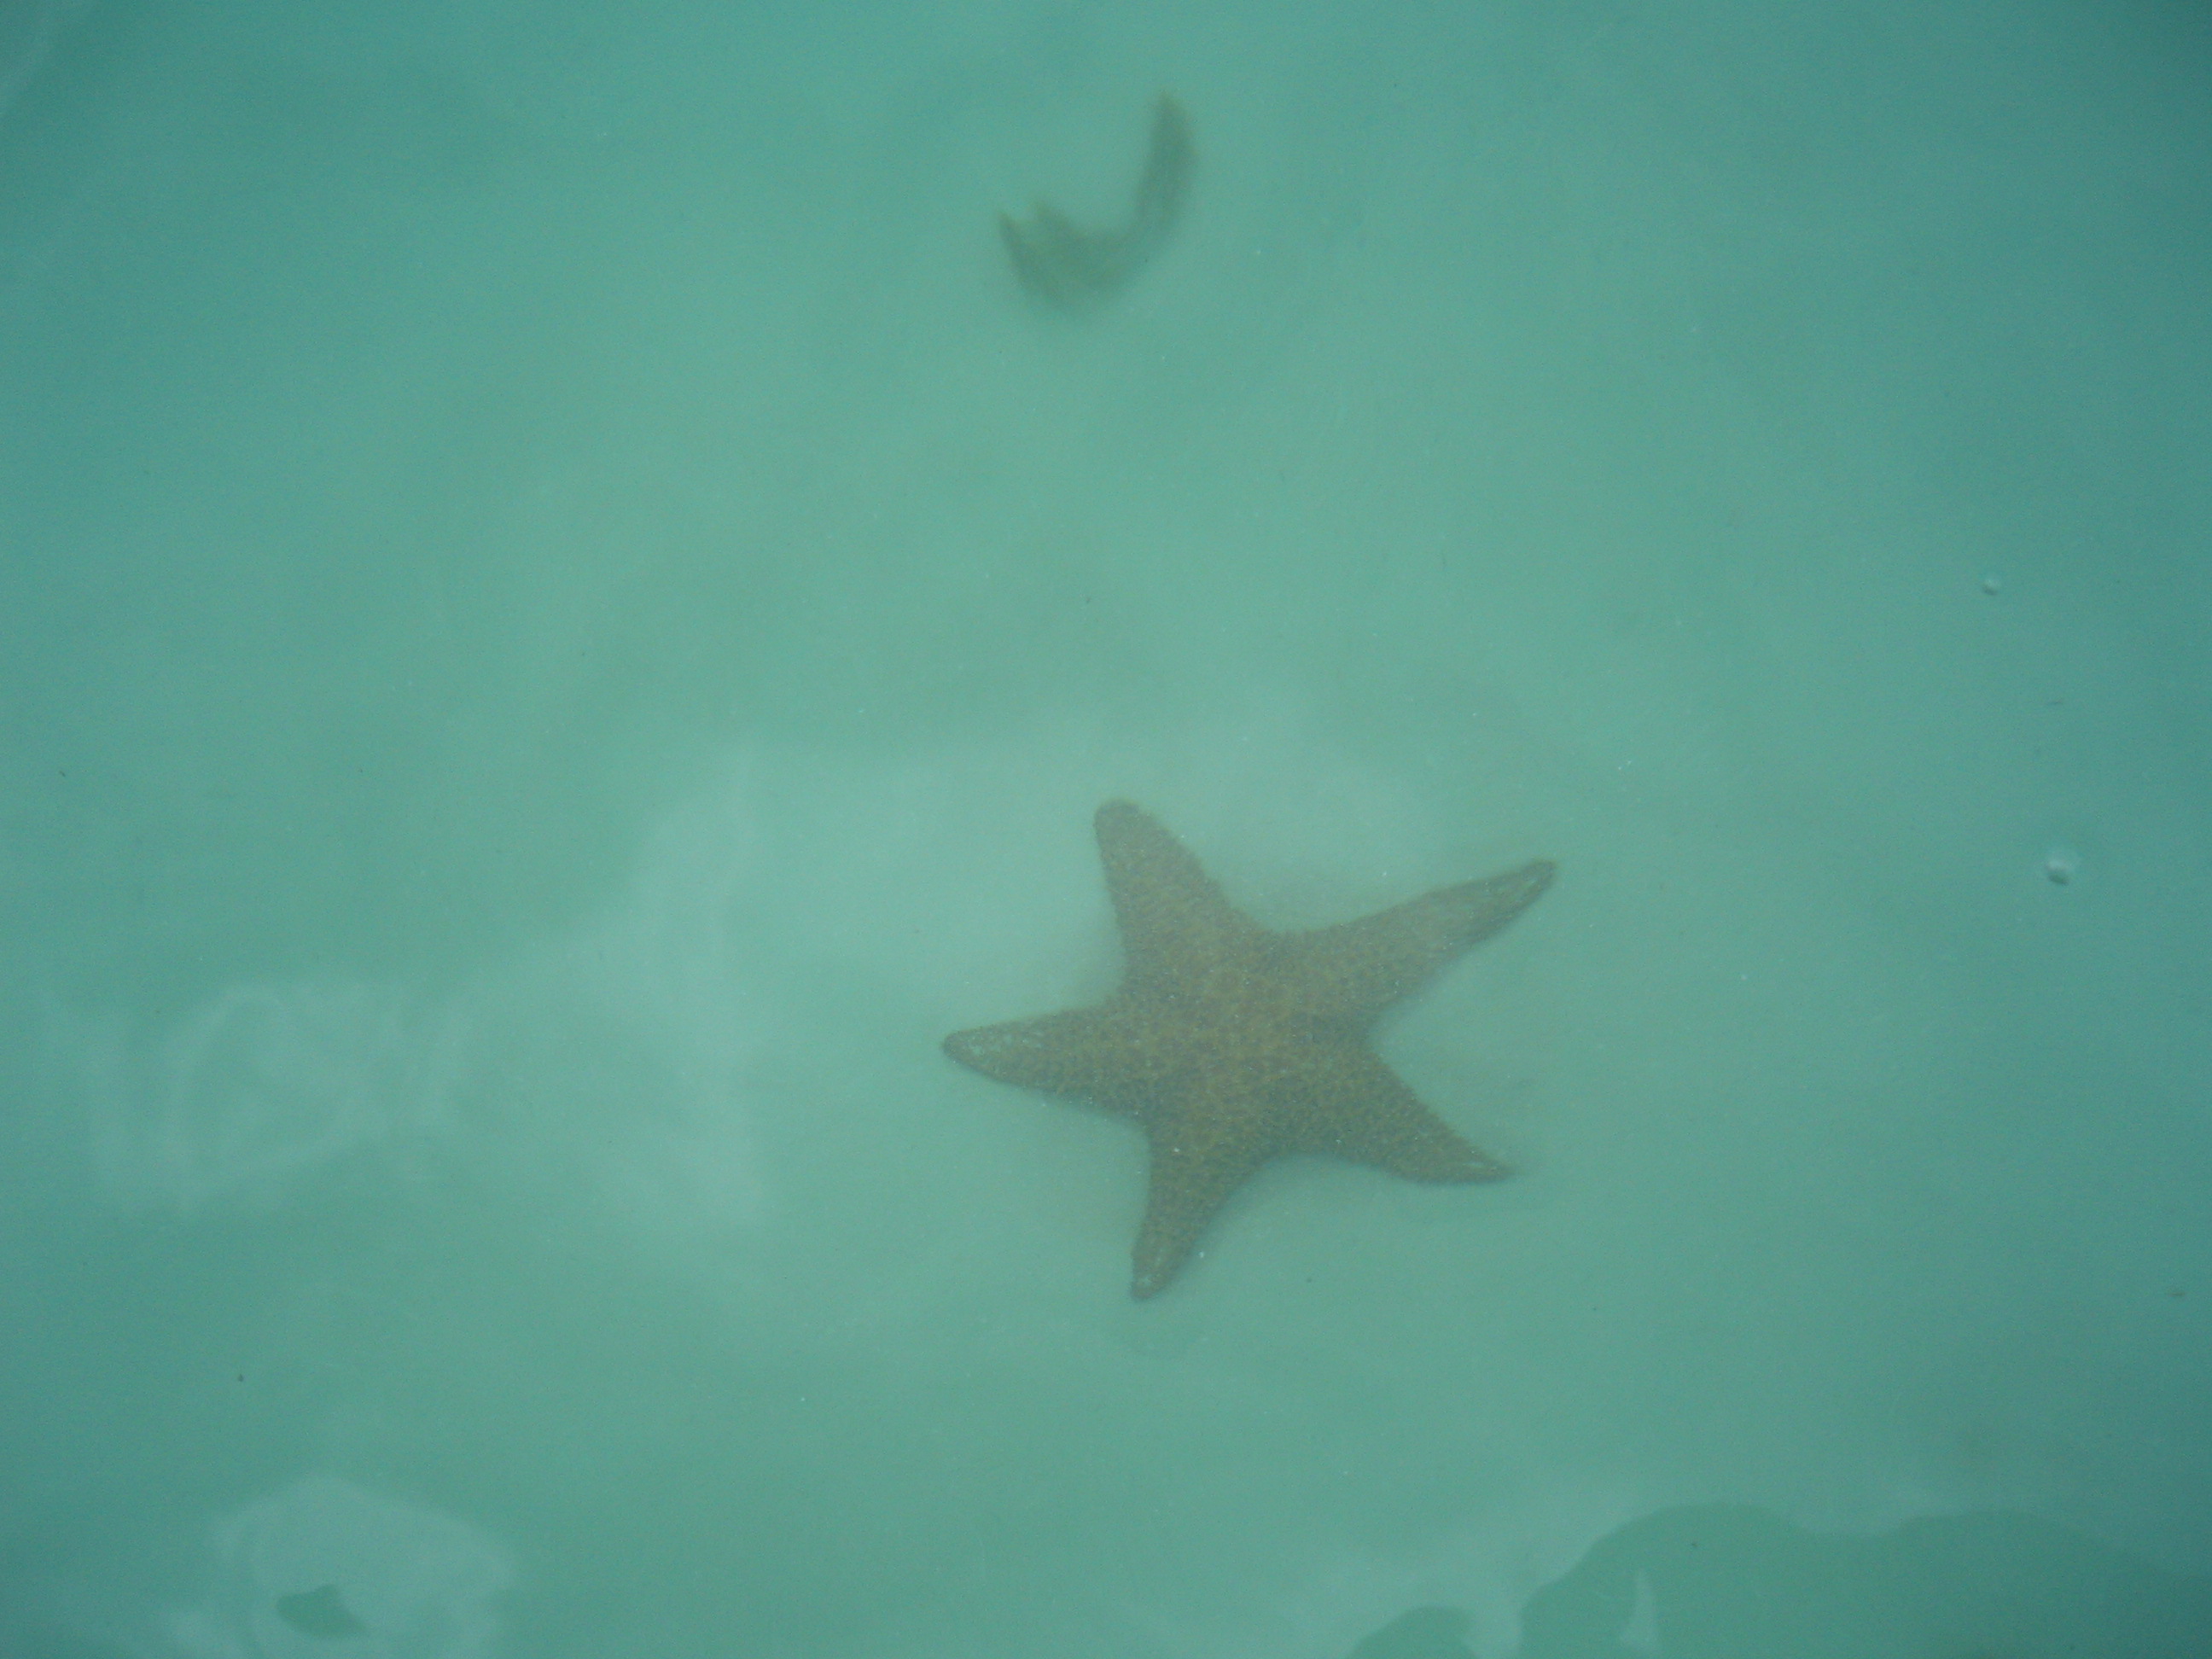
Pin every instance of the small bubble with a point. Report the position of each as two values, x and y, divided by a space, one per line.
1992 584
2059 865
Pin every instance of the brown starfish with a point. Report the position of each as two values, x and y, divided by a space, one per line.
1232 1046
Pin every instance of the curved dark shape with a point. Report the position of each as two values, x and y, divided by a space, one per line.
1071 269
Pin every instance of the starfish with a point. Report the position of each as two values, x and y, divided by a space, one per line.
1232 1046
1076 269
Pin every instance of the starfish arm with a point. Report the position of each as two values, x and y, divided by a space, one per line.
1166 179
1099 1053
1195 1166
1353 972
1175 923
1362 1111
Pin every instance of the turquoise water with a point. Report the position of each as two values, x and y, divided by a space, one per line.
565 619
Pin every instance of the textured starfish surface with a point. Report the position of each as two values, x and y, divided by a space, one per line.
1232 1046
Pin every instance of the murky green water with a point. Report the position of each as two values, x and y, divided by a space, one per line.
565 614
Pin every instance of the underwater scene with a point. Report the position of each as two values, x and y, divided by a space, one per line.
1362 829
